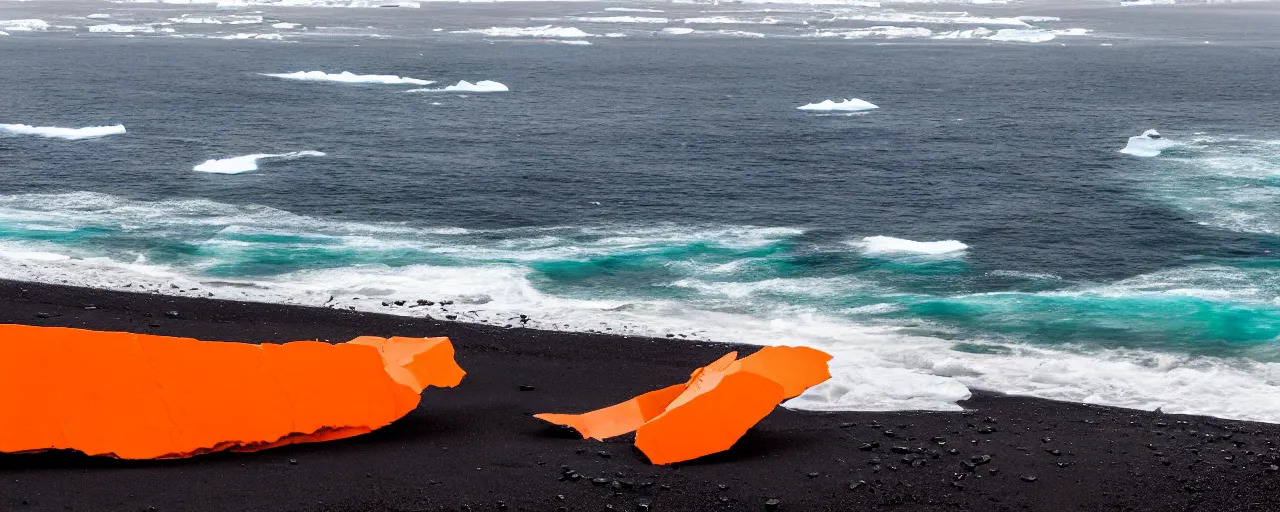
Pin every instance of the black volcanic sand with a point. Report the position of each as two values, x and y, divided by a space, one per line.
476 447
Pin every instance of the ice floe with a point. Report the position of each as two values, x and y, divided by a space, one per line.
99 16
887 245
620 19
679 31
465 86
631 9
725 20
61 133
348 78
284 25
848 105
114 28
246 163
542 31
23 24
1147 145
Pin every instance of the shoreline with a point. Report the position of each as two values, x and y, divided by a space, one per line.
476 445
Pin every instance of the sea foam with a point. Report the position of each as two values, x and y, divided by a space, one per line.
348 77
875 367
848 105
61 133
246 163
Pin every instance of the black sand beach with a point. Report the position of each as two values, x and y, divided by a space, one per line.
477 448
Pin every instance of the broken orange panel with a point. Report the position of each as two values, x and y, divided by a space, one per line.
139 396
711 411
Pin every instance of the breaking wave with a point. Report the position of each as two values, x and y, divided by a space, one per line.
898 342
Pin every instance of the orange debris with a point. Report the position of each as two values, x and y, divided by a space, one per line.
712 410
139 396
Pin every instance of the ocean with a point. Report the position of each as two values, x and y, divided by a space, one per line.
647 172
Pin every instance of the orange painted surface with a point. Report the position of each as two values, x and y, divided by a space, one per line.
139 396
711 411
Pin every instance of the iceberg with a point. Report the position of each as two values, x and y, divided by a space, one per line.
246 163
61 133
1147 145
849 105
348 78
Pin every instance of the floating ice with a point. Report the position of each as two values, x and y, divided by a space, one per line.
23 25
934 18
631 9
543 31
123 29
1147 145
887 32
1034 35
725 20
848 105
886 245
186 18
61 133
254 36
465 86
679 31
620 19
348 77
239 164
99 16
286 25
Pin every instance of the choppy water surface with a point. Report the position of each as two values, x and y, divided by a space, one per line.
981 228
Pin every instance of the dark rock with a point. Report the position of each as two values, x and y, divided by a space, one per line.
424 302
888 433
599 481
1055 453
900 449
293 462
1046 440
451 317
171 314
502 505
857 485
847 425
642 507
43 315
988 430
1028 478
938 439
526 387
772 504
814 474
866 447
604 454
980 459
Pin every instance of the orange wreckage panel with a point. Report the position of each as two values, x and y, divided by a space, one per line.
712 410
139 396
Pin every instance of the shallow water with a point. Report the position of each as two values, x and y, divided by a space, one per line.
661 184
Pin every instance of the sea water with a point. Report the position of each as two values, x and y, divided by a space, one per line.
981 229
